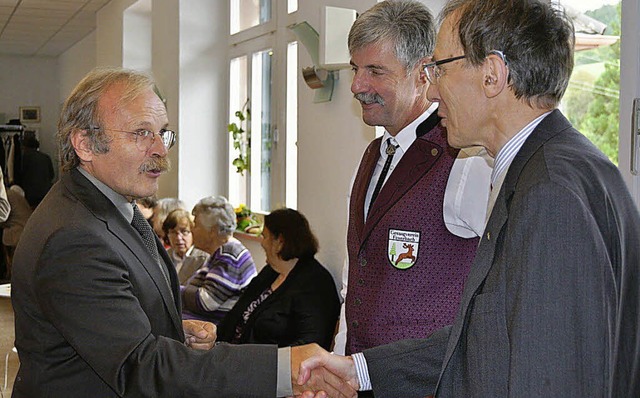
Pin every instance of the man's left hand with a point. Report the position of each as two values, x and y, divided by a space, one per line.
200 335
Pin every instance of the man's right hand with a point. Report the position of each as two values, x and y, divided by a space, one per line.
314 369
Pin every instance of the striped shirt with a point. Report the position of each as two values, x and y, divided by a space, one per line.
217 285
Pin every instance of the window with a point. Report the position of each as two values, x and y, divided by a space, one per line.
262 147
246 14
592 99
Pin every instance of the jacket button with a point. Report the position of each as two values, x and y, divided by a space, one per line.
363 262
434 152
361 282
489 235
355 324
358 301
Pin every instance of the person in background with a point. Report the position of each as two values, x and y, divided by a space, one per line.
5 211
13 226
163 207
177 227
551 306
293 301
414 231
215 288
36 173
146 206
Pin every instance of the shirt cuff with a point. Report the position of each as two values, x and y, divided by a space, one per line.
284 387
362 371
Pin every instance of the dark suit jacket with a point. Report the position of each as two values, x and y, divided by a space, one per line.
95 317
552 305
304 309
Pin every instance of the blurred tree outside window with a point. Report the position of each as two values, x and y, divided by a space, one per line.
592 102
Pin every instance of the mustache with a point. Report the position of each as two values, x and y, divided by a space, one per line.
155 164
369 98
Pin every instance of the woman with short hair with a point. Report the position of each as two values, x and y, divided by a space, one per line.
214 288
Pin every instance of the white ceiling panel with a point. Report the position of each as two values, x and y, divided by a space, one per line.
45 27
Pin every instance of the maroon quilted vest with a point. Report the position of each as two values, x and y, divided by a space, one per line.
406 270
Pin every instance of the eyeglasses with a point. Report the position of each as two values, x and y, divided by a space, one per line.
183 232
146 138
433 70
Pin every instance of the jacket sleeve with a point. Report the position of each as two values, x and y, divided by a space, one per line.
407 368
88 293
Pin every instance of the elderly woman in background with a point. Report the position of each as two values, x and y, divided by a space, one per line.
185 256
293 300
161 210
215 287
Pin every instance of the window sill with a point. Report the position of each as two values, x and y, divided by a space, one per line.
243 235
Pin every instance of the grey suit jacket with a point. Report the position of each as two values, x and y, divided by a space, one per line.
95 317
551 306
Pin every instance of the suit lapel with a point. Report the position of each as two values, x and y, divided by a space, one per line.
549 127
361 184
103 209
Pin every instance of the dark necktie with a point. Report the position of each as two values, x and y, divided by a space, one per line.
148 237
144 229
391 150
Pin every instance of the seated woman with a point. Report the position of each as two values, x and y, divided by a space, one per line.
293 300
185 256
213 290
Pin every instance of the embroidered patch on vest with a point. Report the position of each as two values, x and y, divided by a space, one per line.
402 248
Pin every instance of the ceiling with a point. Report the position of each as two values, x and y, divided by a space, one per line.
45 27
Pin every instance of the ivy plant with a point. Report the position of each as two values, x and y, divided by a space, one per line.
241 139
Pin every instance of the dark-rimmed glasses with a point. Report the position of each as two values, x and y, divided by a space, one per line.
146 138
433 71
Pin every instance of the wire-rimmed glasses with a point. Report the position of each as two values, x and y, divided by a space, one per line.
146 138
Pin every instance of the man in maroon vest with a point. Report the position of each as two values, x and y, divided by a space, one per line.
405 268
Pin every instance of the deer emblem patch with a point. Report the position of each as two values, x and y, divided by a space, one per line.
402 249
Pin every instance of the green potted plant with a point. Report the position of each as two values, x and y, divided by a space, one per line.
241 139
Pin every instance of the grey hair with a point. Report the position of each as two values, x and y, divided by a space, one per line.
164 206
407 24
216 212
81 110
536 39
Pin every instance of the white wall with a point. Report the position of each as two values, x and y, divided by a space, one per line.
204 71
27 81
75 63
137 36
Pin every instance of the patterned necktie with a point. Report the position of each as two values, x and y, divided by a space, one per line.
144 229
149 239
391 150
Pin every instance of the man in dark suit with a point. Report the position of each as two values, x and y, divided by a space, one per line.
551 306
96 299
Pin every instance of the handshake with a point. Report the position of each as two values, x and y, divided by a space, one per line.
316 373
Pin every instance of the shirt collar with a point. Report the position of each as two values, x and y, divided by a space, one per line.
508 152
407 135
119 201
